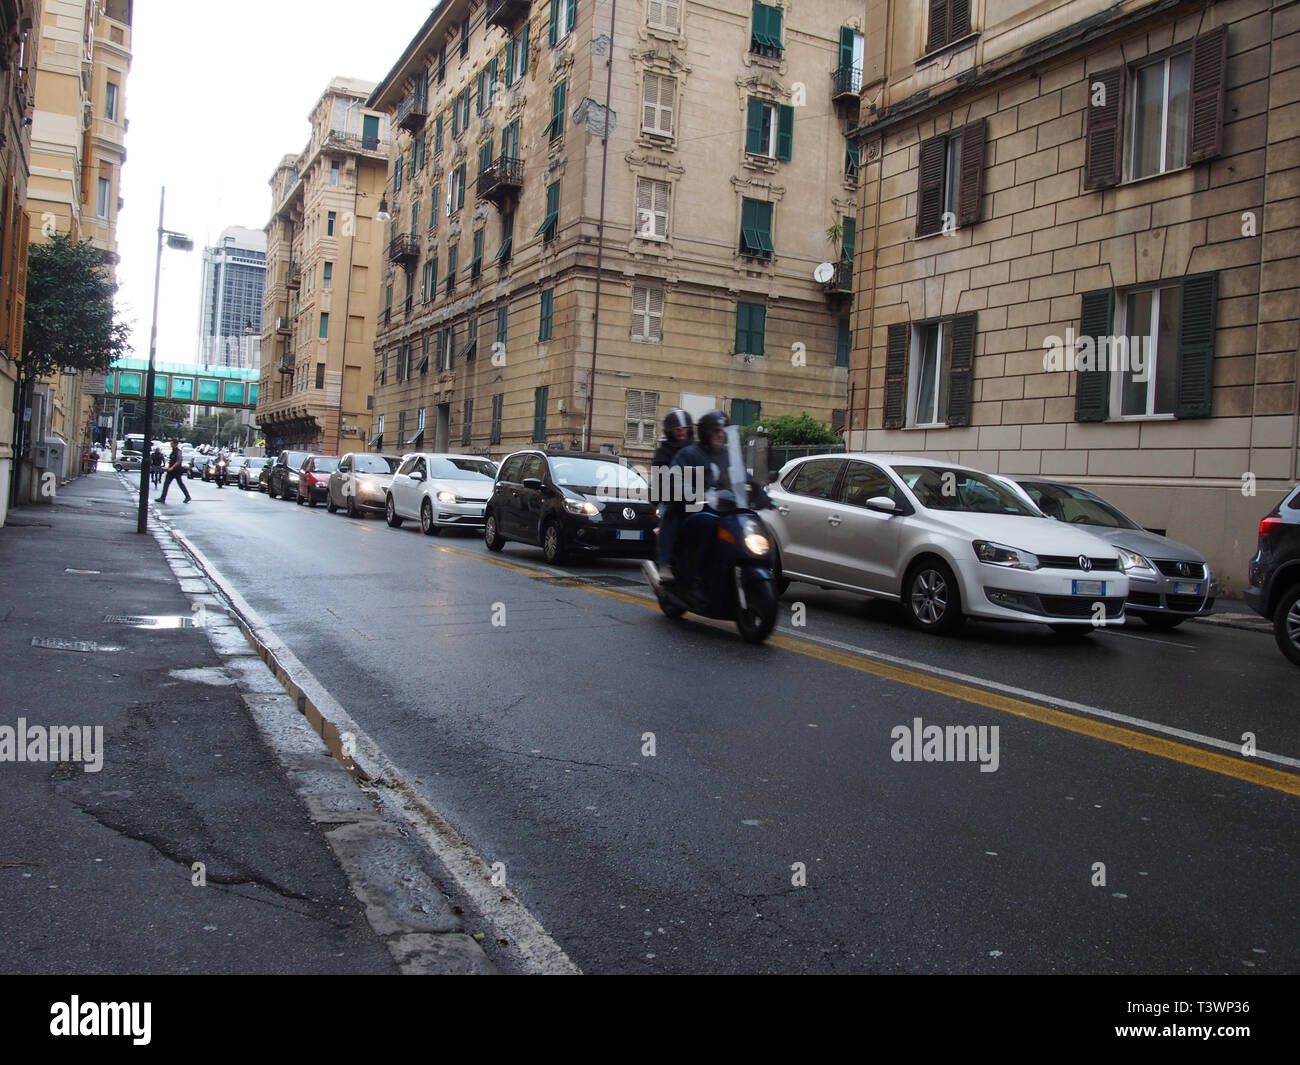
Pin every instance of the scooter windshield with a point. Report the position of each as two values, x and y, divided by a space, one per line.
736 468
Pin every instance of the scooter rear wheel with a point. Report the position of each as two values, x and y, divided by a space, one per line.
758 618
670 609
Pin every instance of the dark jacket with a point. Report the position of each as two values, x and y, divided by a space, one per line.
667 448
713 460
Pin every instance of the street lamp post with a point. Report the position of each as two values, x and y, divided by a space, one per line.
182 243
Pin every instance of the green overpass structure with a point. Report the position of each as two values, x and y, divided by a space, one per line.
179 382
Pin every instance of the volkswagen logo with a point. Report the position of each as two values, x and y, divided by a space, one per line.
1184 570
1085 563
628 514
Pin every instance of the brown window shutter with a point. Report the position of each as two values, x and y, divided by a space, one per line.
937 36
1092 387
20 287
961 340
929 199
896 376
1196 346
971 179
85 168
1209 82
1102 155
6 267
958 19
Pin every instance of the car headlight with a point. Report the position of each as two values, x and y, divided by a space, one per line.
1132 560
1002 555
446 497
581 506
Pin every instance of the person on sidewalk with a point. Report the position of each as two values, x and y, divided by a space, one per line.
174 473
156 462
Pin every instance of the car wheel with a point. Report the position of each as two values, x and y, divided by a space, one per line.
298 499
491 537
1163 622
552 544
329 503
352 507
1073 632
390 515
1286 624
310 500
782 585
428 525
931 598
270 489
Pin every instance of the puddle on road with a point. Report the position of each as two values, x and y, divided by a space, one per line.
151 621
69 569
205 675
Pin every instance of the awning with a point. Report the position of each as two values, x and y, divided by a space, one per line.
547 222
467 352
376 441
415 439
504 254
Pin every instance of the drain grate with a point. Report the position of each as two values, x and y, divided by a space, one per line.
154 621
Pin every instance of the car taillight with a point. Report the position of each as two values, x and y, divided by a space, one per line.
1269 526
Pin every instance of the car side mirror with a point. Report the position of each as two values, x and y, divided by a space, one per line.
534 483
416 475
772 476
882 504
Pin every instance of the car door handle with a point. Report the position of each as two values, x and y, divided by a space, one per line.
834 519
783 511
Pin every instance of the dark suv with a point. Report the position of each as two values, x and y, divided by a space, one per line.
1273 582
571 502
283 481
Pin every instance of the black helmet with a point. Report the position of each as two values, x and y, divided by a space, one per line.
677 419
709 421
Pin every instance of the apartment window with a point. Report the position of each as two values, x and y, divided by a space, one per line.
433 207
843 340
110 101
476 262
663 14
546 319
320 375
403 363
383 369
503 325
498 402
447 347
647 313
456 191
651 209
437 135
442 64
756 229
745 411
485 156
397 174
388 302
539 413
848 75
556 126
951 181
769 129
401 425
378 441
451 269
103 197
428 279
329 224
564 14
765 31
1157 116
517 56
1147 351
415 219
949 22
327 275
928 370
334 171
424 354
370 132
658 98
751 328
464 37
641 417
852 160
507 238
324 331
417 156
549 225
466 424
481 92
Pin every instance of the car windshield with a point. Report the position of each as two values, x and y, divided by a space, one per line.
462 469
295 459
937 488
374 464
1074 505
325 463
593 473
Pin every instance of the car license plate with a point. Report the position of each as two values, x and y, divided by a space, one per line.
1183 588
631 534
1089 587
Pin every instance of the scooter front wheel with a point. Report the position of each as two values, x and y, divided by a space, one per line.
758 617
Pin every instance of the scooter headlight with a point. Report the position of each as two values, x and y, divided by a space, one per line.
756 541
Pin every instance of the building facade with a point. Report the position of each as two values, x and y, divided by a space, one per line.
594 223
19 29
230 301
324 255
1081 245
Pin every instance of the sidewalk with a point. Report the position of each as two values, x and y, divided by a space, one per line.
98 863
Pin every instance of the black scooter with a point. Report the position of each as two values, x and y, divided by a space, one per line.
220 476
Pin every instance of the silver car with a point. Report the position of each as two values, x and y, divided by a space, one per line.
440 491
1169 582
360 483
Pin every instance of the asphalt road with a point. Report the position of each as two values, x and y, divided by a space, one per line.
1099 845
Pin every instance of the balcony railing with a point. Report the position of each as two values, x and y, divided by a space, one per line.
846 83
413 112
284 325
504 177
293 276
403 248
350 142
507 13
286 362
841 282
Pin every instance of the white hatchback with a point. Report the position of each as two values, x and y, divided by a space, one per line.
440 491
945 541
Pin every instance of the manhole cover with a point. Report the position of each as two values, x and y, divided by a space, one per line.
154 621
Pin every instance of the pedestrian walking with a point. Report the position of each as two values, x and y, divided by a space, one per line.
156 463
174 473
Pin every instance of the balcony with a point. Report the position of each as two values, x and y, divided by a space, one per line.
841 282
293 276
285 365
350 142
404 249
504 178
846 83
284 325
412 112
507 13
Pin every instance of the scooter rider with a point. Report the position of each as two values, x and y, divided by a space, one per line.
709 454
677 435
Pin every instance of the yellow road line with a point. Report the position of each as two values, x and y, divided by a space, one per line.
1185 754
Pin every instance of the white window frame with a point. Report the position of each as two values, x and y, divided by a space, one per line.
103 198
664 14
659 109
562 18
937 414
335 170
641 417
648 314
112 93
445 354
952 174
1152 335
453 184
419 426
1131 123
652 199
770 120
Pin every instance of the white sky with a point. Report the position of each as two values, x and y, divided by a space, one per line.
217 94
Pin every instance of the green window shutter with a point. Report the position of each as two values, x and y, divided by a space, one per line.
895 412
784 131
1092 387
460 187
558 95
774 26
843 340
573 15
745 411
1209 101
742 327
437 135
846 47
539 413
553 32
1196 346
503 323
961 342
415 217
754 127
434 203
763 220
397 174
510 61
848 238
547 318
523 51
480 94
853 154
492 79
433 278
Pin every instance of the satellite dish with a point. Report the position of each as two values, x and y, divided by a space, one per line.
824 272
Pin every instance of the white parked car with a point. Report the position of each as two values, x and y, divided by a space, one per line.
440 491
945 541
360 483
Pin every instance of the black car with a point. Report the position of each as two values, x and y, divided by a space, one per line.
1273 581
571 502
283 481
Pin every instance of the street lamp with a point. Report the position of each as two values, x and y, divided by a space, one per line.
180 242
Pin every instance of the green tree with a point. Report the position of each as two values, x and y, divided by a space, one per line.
786 430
